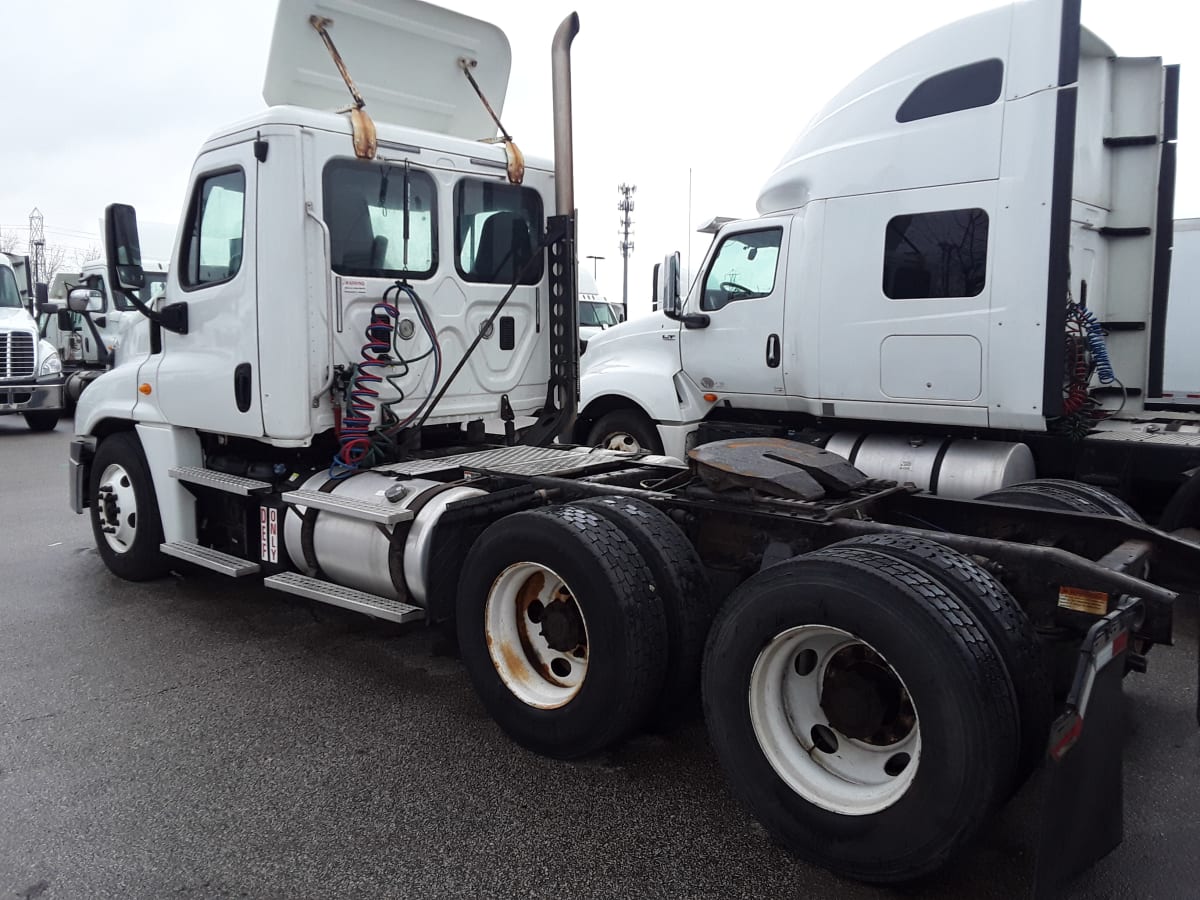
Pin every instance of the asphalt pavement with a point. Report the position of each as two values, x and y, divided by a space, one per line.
199 737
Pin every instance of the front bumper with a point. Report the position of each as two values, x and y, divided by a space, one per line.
43 394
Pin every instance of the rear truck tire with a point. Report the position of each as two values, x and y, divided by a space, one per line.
860 712
999 614
1183 509
682 587
561 631
124 510
43 419
627 430
1059 493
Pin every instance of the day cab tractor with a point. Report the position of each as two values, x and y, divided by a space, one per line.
360 307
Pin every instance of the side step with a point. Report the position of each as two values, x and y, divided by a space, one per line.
347 598
225 563
347 506
231 484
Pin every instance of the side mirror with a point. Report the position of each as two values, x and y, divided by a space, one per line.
66 321
83 300
122 248
41 293
667 292
47 308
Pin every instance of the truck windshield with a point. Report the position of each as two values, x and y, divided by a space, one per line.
594 313
10 297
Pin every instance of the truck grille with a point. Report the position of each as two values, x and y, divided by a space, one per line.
16 354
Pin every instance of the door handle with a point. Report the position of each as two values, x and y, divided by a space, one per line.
242 386
773 351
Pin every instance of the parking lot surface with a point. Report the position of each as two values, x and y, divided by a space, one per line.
201 737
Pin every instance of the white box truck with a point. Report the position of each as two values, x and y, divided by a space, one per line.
353 295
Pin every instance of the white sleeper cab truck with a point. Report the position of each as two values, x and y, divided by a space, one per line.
595 312
86 322
31 380
988 306
354 296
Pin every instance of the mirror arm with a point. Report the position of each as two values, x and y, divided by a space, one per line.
102 353
172 317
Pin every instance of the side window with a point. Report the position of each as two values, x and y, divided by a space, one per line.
496 227
966 87
936 254
744 268
215 219
382 219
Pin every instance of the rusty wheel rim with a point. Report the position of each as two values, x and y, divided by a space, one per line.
834 720
536 635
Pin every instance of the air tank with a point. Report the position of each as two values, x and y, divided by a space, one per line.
960 468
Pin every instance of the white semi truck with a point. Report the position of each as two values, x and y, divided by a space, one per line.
85 320
353 295
31 380
959 279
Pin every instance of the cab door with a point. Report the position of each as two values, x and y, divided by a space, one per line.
209 378
740 349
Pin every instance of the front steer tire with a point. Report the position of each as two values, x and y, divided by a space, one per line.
119 471
43 420
961 697
510 653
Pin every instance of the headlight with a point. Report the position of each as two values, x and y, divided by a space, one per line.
51 365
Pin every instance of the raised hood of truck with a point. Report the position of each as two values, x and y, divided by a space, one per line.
403 57
879 132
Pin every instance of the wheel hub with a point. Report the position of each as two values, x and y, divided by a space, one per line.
562 626
863 698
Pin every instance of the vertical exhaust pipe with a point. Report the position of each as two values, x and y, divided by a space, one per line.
564 159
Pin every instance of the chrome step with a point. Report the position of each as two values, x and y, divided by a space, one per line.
347 598
225 563
348 506
231 484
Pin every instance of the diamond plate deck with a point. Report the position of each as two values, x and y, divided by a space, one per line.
513 461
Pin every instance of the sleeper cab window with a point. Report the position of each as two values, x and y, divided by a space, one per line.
935 254
743 268
496 230
216 215
967 87
382 219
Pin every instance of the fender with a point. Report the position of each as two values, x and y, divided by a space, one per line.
636 364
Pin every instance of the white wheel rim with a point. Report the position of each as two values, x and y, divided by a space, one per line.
805 667
530 618
117 508
623 442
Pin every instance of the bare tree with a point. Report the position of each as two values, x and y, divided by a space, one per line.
56 256
81 255
10 241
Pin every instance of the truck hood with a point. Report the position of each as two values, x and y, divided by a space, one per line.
11 318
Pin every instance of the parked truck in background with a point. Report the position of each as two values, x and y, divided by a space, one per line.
31 380
352 297
989 306
87 340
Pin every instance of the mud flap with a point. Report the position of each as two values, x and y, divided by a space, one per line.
1083 802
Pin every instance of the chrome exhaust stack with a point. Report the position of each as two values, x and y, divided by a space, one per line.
564 159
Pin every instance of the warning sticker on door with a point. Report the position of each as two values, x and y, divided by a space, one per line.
1079 600
352 286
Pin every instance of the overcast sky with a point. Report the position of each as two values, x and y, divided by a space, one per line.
109 101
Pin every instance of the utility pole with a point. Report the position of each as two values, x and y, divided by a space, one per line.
626 244
594 259
37 247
